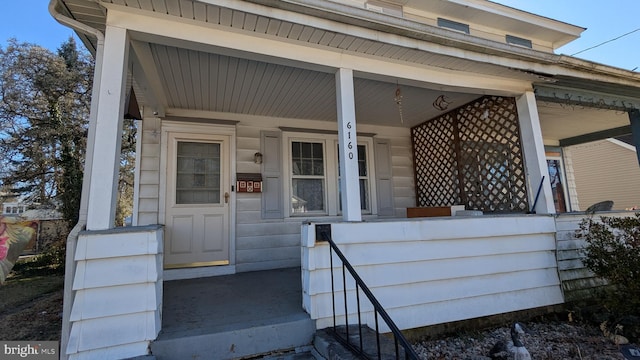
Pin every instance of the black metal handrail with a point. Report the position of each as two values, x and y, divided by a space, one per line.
399 339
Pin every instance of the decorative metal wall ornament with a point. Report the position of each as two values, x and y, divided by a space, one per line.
442 102
398 100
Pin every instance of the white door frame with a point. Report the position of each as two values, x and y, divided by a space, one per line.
169 126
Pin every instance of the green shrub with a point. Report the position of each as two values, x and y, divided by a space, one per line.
612 252
49 262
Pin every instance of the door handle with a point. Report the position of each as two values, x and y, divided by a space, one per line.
226 197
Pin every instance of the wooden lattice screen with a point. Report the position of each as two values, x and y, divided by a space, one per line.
472 156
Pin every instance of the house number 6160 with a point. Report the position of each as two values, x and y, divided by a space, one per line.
349 145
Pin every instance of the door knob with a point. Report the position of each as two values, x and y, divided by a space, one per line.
226 197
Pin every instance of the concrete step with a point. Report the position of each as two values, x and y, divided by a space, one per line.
237 343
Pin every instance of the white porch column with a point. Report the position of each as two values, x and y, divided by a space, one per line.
634 119
106 154
533 152
348 145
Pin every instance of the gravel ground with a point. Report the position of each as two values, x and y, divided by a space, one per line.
553 340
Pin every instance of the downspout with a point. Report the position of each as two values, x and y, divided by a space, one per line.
72 239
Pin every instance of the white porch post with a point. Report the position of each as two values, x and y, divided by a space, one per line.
106 154
348 145
634 119
533 151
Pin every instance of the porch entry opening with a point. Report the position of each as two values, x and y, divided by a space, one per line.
197 202
472 156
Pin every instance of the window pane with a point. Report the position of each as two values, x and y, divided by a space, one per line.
198 173
317 151
307 159
306 150
308 195
364 195
362 161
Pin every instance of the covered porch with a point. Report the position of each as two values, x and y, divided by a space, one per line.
234 316
251 82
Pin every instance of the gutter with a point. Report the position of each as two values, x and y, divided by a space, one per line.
72 238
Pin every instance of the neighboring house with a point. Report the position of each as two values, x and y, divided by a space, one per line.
13 208
606 170
51 225
264 118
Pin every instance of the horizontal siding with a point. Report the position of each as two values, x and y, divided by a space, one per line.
262 244
604 170
149 176
427 272
403 177
115 312
265 244
578 282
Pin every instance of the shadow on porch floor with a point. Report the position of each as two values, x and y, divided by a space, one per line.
233 315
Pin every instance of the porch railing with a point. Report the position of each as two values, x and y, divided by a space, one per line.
357 347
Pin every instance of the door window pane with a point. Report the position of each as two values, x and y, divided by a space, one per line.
198 173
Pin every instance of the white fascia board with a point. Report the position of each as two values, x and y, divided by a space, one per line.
392 38
199 36
500 54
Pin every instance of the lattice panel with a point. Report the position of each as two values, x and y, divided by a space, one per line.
472 156
435 162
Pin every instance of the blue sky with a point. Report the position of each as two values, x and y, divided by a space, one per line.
29 21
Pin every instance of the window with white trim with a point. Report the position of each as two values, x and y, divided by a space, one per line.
308 182
312 168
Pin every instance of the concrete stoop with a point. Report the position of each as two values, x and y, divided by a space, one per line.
238 343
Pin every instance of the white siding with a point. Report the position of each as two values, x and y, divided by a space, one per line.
577 281
116 309
427 272
149 186
275 243
267 243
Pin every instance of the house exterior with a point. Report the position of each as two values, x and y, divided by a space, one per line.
606 170
264 118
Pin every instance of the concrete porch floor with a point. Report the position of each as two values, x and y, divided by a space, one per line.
220 313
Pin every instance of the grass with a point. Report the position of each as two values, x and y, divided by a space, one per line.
20 290
31 300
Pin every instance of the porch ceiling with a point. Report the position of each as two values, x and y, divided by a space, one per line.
562 121
208 82
187 78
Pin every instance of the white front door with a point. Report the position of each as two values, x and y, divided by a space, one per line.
197 201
